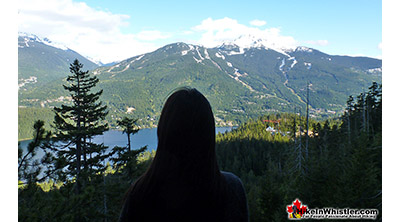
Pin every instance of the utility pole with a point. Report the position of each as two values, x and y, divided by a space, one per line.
299 149
363 105
348 126
307 114
368 118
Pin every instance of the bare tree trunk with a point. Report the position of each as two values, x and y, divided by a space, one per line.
348 127
105 197
129 142
78 144
366 101
363 104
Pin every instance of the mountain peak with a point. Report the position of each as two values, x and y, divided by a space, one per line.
29 37
248 41
303 49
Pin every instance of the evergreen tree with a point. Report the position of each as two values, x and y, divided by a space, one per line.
75 125
128 126
124 158
28 166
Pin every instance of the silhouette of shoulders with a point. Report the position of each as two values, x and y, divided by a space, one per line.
236 204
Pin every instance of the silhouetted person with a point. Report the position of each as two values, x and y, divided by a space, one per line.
183 183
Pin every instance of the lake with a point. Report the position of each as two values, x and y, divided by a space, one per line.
113 138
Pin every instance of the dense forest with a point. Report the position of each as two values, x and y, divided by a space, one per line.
337 164
279 157
27 117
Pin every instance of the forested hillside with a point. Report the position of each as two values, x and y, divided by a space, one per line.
338 163
44 60
240 83
27 117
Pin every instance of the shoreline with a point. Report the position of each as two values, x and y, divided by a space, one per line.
25 139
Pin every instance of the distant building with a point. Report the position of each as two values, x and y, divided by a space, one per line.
270 129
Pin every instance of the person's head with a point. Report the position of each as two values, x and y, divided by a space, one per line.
184 174
186 131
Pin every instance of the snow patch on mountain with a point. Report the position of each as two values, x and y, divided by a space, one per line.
206 54
209 58
236 76
186 51
201 58
282 64
198 52
303 49
294 62
27 37
220 55
243 42
97 62
231 49
139 58
197 60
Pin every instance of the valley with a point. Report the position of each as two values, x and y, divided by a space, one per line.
240 81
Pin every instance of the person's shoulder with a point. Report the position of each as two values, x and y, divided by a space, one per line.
237 207
230 176
232 180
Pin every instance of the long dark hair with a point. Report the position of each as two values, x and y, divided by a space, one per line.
183 182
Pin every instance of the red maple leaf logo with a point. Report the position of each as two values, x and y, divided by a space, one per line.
297 203
296 209
290 209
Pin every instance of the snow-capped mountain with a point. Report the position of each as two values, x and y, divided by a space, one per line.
251 41
26 40
241 78
43 60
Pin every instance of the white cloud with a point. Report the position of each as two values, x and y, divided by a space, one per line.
380 46
318 42
187 32
216 32
152 35
257 22
91 32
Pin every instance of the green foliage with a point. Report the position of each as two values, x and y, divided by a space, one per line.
29 168
85 188
338 173
140 84
100 199
43 61
71 154
129 127
27 117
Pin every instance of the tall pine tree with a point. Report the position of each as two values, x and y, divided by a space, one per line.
76 156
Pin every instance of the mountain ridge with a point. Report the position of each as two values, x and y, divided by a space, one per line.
44 60
240 83
233 63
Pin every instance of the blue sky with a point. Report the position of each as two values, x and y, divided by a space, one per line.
339 27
